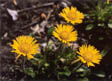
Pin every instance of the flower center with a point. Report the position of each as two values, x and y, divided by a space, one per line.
24 48
71 15
64 35
88 57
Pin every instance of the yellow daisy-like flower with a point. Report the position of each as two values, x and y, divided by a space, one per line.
72 15
65 33
89 54
25 46
108 1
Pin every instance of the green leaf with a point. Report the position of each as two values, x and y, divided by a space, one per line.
110 24
101 38
36 59
68 73
83 79
50 30
89 27
105 51
100 74
80 70
29 71
46 64
101 24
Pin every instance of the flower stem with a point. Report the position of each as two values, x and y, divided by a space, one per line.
76 68
24 60
17 57
75 61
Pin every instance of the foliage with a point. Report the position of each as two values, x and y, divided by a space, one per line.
97 24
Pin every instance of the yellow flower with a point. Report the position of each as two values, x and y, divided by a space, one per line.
89 54
108 1
25 46
72 15
65 33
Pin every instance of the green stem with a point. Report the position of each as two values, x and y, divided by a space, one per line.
76 68
75 61
24 60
